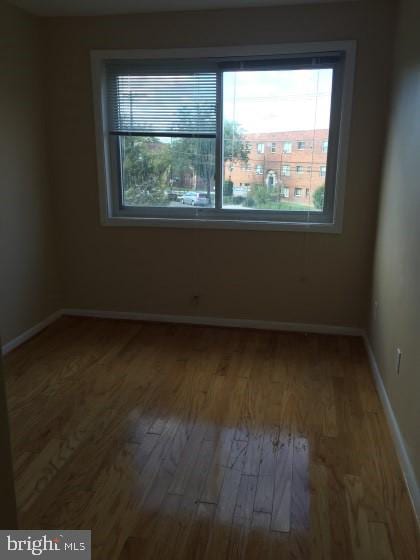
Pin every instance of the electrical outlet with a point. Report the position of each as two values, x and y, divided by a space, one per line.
398 361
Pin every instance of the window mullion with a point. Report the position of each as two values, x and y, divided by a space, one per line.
219 142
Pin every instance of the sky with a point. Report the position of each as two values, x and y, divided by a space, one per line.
278 100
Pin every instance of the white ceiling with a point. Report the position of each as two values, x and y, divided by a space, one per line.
104 7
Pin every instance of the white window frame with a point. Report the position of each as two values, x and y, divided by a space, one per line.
285 170
259 169
281 221
273 147
260 147
290 145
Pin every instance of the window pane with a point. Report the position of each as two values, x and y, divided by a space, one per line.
285 108
174 172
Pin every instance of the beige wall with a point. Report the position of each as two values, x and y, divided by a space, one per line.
28 284
396 285
241 274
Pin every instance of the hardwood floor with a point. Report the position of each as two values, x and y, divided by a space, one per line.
179 442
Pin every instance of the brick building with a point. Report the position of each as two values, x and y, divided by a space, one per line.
294 162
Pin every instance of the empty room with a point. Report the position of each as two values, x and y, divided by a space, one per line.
209 282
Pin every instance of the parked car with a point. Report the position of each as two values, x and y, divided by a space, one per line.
195 198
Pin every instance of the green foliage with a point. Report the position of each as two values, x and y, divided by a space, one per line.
234 145
318 198
194 155
151 167
267 198
228 188
260 194
145 169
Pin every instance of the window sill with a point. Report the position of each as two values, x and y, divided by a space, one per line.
196 223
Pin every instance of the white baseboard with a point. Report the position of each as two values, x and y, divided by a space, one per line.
15 342
183 319
405 462
217 322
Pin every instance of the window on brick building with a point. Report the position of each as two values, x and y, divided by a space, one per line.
273 147
285 170
260 148
299 169
259 169
298 192
300 145
287 147
323 170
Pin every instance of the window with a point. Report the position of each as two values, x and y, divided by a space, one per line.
324 146
309 169
323 170
298 192
284 191
307 192
172 125
300 145
287 147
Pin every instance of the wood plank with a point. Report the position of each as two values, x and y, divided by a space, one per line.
282 500
380 545
320 515
258 543
358 520
242 517
266 476
299 542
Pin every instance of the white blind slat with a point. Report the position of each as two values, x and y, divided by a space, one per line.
181 102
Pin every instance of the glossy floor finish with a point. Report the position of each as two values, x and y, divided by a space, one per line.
181 442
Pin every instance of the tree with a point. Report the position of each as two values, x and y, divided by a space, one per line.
234 145
228 188
145 165
198 154
149 165
318 198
